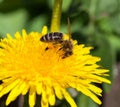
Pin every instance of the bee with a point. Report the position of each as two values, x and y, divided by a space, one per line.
52 37
57 38
67 47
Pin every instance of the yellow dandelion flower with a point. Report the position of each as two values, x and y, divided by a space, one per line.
27 67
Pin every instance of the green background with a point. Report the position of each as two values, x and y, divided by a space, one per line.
93 22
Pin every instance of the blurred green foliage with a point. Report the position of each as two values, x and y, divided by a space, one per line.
93 22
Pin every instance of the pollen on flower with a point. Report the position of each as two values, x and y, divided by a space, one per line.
26 66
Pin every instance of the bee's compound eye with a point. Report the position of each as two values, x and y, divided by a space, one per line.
41 39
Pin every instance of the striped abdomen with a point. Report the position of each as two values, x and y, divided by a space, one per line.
52 37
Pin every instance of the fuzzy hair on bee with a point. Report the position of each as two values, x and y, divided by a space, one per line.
58 38
67 47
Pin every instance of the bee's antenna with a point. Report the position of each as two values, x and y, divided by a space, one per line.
69 28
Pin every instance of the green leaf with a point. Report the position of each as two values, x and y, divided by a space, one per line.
107 6
105 25
115 22
12 22
9 5
85 101
107 54
36 24
115 42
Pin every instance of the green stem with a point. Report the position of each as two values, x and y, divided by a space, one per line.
56 16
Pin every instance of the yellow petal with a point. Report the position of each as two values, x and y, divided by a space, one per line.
32 96
69 98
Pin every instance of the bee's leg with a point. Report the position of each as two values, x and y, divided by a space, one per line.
46 48
62 45
67 54
50 46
